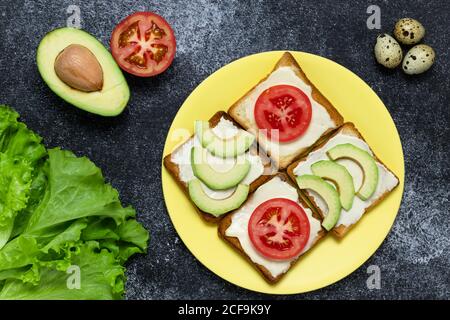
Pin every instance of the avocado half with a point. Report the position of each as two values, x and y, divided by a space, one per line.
114 95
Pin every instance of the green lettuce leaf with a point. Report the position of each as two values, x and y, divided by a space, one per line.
76 189
57 215
18 253
133 232
17 140
37 190
68 237
20 151
8 123
100 277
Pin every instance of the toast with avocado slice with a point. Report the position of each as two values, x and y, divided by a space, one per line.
200 180
324 118
372 180
233 229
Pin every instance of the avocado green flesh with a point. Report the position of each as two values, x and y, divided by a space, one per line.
327 193
339 175
216 207
109 101
365 161
214 179
224 148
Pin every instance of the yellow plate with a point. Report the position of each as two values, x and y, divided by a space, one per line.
331 260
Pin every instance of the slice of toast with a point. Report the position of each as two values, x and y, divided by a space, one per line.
226 222
325 117
174 170
389 179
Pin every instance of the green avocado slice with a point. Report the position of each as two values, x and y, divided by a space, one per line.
214 179
114 94
328 194
217 207
365 161
224 148
340 176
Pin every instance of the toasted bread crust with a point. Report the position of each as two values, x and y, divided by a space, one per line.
348 128
175 172
287 60
234 242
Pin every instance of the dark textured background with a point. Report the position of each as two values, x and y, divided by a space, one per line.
414 259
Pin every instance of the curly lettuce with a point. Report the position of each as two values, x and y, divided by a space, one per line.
64 233
21 152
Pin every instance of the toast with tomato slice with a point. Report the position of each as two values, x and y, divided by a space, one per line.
314 236
388 181
174 168
261 108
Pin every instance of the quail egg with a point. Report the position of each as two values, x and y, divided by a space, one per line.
387 51
418 59
409 31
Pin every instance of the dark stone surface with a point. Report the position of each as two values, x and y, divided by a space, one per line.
414 259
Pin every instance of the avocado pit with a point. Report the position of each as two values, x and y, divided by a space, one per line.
78 67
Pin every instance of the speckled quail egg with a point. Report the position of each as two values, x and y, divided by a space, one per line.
418 59
409 31
387 51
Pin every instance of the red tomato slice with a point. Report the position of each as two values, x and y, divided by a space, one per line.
143 44
279 229
284 108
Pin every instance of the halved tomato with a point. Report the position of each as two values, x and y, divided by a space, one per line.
279 229
143 44
283 108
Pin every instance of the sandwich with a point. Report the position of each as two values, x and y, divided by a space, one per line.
342 179
273 228
218 167
286 112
